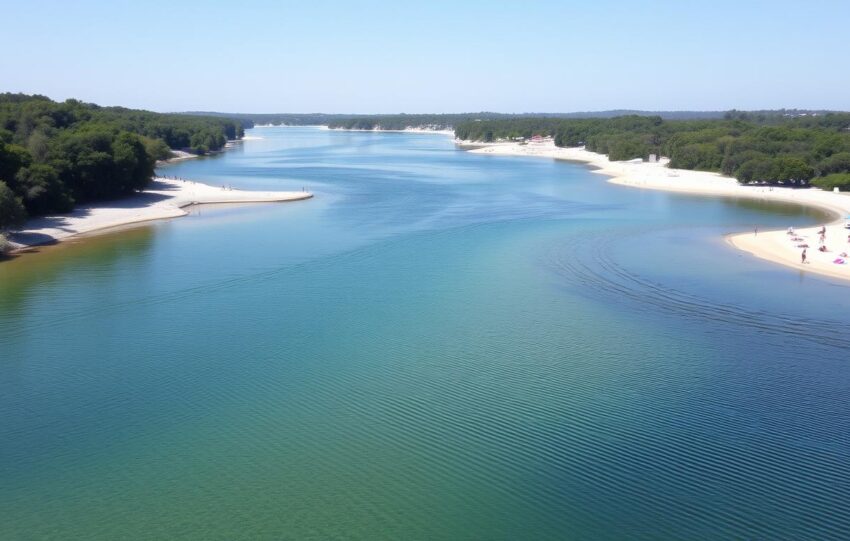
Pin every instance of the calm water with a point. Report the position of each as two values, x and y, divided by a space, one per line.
438 346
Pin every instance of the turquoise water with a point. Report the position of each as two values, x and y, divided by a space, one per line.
440 345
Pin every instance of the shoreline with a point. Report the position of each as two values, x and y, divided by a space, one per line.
405 130
775 246
448 132
164 198
181 155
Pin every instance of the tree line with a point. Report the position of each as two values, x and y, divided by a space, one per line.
765 148
429 121
54 155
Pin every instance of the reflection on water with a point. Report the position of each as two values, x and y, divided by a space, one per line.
790 210
43 266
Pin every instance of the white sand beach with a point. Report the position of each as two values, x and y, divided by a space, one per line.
447 132
179 156
776 246
165 198
410 129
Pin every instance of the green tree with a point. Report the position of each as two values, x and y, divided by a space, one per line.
156 148
790 168
12 158
836 180
43 192
38 146
756 169
836 163
12 211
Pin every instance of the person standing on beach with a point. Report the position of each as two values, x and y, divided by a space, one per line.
803 256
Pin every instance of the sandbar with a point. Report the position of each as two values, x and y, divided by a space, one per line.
164 198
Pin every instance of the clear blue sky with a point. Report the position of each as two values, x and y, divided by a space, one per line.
430 56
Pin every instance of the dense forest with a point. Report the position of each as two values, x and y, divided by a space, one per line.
355 121
54 155
401 122
767 147
442 122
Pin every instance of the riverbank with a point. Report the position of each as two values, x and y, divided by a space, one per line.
181 155
178 156
775 246
165 198
446 132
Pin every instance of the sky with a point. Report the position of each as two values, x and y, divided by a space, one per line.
430 56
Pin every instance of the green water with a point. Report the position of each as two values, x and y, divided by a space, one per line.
438 346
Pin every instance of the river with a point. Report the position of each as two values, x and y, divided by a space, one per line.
439 345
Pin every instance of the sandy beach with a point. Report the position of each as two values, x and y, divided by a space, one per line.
178 156
165 198
411 129
776 246
450 133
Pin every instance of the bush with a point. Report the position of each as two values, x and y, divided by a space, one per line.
837 180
